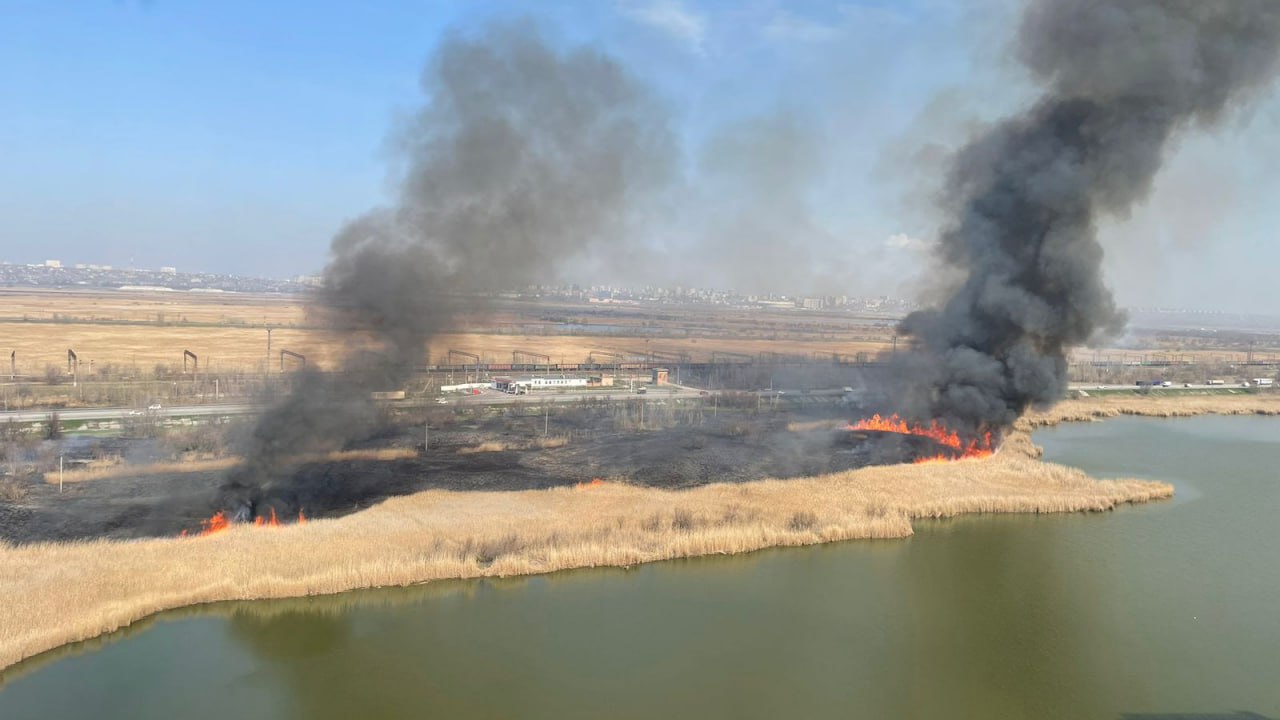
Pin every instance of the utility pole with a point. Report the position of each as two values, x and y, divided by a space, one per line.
426 435
59 474
546 419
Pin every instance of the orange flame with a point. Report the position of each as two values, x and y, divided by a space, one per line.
215 524
936 431
220 522
595 483
273 521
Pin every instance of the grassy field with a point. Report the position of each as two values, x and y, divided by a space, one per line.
438 534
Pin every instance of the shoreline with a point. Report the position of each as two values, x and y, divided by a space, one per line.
1101 407
438 535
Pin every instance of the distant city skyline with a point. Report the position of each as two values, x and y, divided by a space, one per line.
168 277
237 138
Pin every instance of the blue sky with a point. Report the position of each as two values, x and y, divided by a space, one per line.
238 136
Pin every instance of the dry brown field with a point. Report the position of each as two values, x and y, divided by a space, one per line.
441 534
228 332
228 308
146 329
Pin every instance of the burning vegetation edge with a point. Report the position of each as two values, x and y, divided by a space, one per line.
103 586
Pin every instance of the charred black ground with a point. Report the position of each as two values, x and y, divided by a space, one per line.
678 449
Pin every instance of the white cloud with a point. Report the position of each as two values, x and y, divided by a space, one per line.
671 17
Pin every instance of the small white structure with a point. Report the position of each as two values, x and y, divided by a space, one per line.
1263 382
525 384
467 387
556 383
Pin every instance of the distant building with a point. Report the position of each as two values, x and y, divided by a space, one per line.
811 303
525 384
53 263
169 270
661 376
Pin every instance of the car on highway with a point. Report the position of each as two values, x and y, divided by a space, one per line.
153 407
442 401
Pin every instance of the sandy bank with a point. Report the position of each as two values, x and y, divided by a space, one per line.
102 586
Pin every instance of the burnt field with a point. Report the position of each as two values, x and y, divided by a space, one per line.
671 446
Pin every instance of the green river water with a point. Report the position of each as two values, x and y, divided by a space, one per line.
1158 611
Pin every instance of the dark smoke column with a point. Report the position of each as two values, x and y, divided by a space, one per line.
523 159
1121 81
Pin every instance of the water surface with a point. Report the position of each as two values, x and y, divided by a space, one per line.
1148 611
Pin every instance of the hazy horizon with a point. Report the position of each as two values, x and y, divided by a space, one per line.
809 138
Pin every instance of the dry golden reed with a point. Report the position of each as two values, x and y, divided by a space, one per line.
101 586
1101 407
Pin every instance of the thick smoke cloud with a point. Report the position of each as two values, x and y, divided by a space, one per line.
524 157
1121 81
759 232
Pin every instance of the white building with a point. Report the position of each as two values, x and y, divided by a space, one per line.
525 384
556 383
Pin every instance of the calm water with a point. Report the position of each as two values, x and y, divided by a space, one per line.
1146 612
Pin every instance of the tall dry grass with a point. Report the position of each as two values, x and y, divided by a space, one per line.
100 586
1100 407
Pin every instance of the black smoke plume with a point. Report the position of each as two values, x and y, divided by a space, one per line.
1121 81
522 158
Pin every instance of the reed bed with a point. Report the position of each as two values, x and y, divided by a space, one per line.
100 586
1169 406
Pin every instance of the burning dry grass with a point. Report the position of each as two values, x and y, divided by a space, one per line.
112 467
1169 406
439 534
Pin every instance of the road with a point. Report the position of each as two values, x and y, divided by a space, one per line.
485 397
495 397
26 416
1176 386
